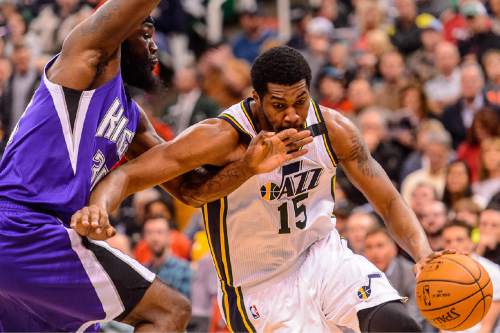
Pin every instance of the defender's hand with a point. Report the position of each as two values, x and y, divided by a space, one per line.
417 269
270 150
92 222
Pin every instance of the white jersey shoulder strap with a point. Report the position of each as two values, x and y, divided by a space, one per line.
241 118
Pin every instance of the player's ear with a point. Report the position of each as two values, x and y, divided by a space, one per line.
256 97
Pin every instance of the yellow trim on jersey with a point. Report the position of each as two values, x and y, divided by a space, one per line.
330 154
240 309
223 242
207 231
242 104
225 304
235 122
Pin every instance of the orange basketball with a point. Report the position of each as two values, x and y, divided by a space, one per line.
454 292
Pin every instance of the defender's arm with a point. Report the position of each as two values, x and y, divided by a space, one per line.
92 47
369 177
210 142
199 186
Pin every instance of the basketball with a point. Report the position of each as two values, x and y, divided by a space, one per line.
454 292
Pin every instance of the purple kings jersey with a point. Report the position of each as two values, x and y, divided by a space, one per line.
65 142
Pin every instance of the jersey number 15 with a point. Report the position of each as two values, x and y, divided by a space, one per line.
299 209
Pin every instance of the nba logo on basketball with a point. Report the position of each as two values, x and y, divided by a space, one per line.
254 312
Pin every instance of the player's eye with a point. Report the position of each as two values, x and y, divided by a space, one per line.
279 106
301 102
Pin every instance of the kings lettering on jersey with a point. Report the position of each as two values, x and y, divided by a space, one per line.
294 181
114 128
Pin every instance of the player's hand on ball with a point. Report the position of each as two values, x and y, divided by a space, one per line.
270 150
422 262
92 222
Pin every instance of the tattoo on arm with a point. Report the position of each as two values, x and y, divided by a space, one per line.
201 186
359 152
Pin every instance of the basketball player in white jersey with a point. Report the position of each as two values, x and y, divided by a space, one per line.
281 263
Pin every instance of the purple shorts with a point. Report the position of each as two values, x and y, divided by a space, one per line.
51 279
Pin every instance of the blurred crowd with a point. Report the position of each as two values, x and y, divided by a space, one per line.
420 79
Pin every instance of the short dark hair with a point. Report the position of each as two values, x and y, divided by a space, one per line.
379 230
280 65
460 224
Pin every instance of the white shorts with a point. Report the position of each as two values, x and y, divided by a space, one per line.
323 294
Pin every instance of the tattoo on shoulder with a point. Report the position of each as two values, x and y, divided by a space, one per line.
359 152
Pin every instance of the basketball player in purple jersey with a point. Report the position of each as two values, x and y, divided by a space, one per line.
79 123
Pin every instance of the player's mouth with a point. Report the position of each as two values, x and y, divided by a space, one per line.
153 61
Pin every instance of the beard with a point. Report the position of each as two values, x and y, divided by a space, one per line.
137 70
158 252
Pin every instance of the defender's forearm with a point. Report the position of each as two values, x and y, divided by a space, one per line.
111 191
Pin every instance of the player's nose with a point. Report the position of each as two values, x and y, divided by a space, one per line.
291 116
153 48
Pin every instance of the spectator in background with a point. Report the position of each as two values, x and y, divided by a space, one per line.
392 69
423 194
486 124
489 233
368 16
358 226
300 16
225 79
373 126
331 89
339 58
416 159
457 236
360 95
173 271
55 21
491 63
489 173
381 250
437 154
481 37
203 293
248 45
335 11
434 217
405 34
22 84
457 118
468 211
191 105
444 88
180 245
318 35
405 122
422 62
458 183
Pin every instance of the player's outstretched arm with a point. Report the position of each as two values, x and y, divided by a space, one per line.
91 48
212 142
200 186
369 177
266 152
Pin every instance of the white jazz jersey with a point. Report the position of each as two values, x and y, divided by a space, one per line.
262 229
